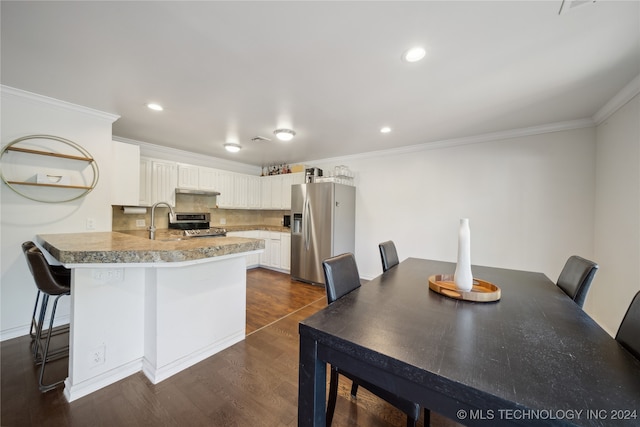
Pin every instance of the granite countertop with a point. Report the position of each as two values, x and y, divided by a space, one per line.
256 227
136 247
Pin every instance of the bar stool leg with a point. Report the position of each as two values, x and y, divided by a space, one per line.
34 321
37 358
47 387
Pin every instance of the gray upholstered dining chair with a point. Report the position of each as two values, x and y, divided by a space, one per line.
341 277
629 331
388 255
50 285
575 278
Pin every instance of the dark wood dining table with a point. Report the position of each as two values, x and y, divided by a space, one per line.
532 358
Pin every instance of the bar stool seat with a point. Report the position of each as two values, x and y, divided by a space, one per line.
49 284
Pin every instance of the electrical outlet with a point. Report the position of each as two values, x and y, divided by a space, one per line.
91 223
140 223
108 275
97 356
223 221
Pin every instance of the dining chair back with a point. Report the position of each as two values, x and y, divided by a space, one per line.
341 277
388 255
576 277
629 331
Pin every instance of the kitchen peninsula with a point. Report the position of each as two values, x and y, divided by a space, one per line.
158 306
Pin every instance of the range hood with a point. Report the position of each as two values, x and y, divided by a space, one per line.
196 192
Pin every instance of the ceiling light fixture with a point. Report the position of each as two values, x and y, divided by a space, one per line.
414 54
232 147
385 129
154 107
284 134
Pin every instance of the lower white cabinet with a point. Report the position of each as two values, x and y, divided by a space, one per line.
277 248
285 251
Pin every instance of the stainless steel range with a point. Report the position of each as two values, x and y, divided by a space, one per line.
195 224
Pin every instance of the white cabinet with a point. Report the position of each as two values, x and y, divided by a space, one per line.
240 188
125 183
164 180
285 251
277 249
208 179
254 188
265 196
276 190
188 176
253 260
145 182
274 258
158 181
287 181
225 182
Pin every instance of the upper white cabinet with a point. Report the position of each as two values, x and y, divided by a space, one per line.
164 180
276 190
287 181
254 192
158 181
125 187
145 182
208 179
226 182
188 177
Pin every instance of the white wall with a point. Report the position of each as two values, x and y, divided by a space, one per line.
529 200
21 219
617 217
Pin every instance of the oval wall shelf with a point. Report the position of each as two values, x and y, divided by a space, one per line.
15 155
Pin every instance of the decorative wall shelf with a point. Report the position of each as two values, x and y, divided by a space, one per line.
75 191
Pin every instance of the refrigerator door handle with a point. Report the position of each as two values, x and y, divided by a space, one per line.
305 224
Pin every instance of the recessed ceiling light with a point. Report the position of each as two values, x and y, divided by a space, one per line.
284 134
414 54
154 107
385 129
232 147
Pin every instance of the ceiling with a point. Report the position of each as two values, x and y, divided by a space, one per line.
331 71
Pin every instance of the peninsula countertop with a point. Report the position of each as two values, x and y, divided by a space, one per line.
136 247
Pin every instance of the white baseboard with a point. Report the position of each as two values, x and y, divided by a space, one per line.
76 391
157 375
22 330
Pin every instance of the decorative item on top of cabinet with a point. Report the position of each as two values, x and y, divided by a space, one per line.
33 162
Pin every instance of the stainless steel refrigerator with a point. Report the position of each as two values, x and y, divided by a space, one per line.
323 225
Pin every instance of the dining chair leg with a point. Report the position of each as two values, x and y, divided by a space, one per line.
354 389
427 417
333 395
411 422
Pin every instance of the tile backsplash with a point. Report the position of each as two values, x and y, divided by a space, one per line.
190 203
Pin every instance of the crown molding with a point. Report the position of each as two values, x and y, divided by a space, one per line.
7 90
475 139
619 100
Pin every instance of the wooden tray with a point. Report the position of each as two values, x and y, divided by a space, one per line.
482 290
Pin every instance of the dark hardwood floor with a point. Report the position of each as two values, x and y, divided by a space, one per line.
252 383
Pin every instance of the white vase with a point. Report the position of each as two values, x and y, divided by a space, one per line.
463 278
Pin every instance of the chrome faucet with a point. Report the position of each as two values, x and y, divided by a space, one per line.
152 227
